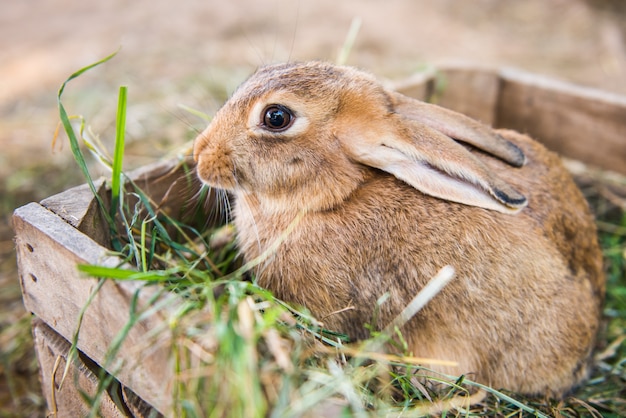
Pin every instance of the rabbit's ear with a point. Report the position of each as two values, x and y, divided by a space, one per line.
433 163
459 127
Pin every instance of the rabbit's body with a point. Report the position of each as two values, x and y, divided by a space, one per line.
522 312
518 315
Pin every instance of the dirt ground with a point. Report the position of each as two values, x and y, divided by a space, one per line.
194 52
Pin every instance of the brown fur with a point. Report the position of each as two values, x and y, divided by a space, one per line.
522 312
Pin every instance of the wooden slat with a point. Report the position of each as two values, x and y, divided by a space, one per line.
78 207
64 399
419 86
468 90
471 91
580 123
63 396
49 250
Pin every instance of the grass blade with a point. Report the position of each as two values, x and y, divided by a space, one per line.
344 52
118 155
123 274
74 143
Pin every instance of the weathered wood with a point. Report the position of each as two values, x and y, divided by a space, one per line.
68 229
63 396
471 91
174 190
64 400
468 90
78 207
166 178
420 85
49 251
580 123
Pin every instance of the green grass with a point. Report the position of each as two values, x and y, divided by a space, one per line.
241 352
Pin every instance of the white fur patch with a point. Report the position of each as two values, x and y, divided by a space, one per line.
255 118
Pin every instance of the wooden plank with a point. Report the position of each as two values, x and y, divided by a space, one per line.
79 208
174 188
49 250
468 90
579 123
64 396
419 86
165 182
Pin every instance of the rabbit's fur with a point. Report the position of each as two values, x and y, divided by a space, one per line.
522 312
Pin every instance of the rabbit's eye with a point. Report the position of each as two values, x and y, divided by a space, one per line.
277 118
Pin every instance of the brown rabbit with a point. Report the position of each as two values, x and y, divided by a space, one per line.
387 197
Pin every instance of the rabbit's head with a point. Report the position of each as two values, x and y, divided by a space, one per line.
300 135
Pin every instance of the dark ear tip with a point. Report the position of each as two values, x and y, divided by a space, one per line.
514 200
517 158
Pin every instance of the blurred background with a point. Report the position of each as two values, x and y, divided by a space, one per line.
194 53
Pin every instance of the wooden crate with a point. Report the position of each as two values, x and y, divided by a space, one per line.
57 234
52 238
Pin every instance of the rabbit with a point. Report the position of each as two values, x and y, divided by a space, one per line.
389 190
